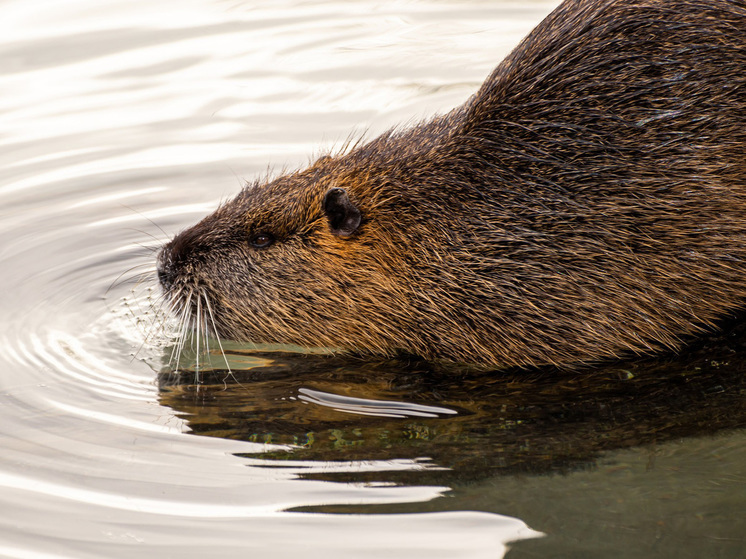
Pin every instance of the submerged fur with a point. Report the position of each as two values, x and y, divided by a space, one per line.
587 202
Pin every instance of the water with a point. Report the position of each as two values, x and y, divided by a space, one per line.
122 123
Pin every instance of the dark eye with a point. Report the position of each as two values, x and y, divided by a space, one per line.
261 240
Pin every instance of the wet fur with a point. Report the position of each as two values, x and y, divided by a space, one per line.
589 201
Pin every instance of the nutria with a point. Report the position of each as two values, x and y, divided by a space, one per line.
589 201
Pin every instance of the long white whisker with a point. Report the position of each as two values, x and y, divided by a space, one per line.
205 331
182 330
198 320
179 322
220 345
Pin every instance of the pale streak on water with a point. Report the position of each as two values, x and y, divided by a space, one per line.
118 113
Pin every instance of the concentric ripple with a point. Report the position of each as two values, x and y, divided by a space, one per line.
121 124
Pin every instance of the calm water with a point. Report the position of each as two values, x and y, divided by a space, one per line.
122 123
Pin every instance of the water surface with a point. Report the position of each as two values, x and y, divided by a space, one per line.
122 123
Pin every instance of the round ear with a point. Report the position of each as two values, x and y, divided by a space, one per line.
344 217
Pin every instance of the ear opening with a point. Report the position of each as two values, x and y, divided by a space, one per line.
344 217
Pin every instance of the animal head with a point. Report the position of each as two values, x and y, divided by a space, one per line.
305 259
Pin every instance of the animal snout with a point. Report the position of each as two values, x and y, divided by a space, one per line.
165 267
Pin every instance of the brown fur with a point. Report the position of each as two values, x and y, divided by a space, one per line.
588 201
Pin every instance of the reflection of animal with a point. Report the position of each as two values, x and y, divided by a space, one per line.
589 200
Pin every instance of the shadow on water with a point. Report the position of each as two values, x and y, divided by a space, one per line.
471 424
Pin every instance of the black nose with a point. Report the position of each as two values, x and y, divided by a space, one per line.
165 267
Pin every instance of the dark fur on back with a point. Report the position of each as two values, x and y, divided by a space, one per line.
588 201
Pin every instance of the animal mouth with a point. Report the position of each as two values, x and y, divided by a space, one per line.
192 307
194 323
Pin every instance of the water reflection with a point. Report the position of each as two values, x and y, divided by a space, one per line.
469 424
614 461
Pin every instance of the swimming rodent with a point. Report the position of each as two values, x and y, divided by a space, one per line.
588 202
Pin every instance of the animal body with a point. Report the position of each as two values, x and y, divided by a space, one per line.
588 202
